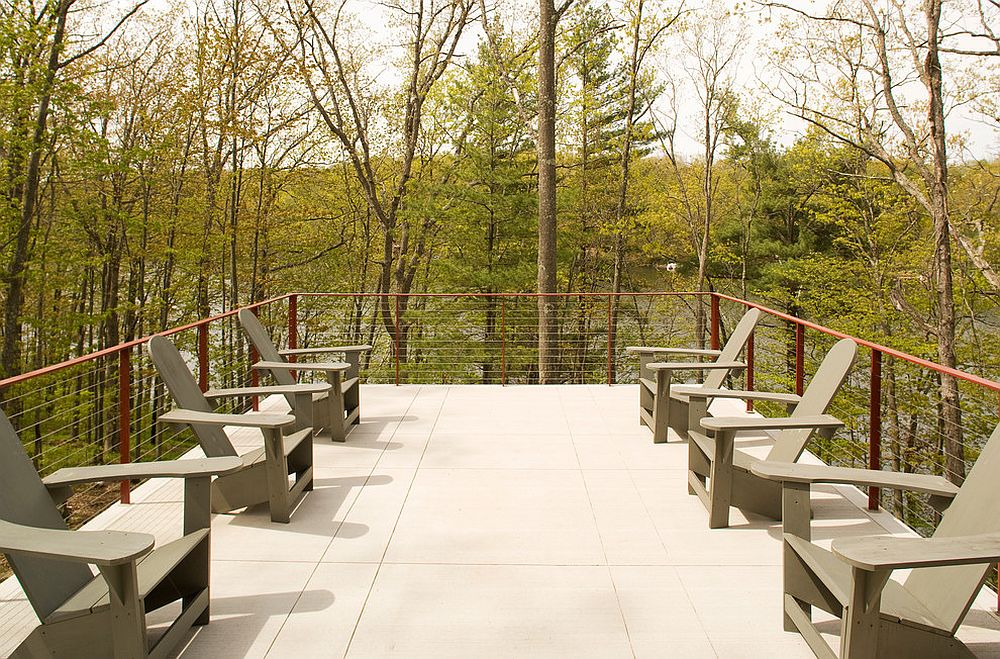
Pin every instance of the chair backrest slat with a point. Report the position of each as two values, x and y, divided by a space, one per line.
948 592
734 346
261 340
816 399
24 500
187 395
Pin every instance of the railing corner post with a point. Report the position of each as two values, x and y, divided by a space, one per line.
749 376
293 328
800 358
254 377
293 324
203 356
875 425
715 321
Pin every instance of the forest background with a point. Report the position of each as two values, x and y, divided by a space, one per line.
166 160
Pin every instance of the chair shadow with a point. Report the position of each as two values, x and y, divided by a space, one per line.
236 622
316 512
362 442
378 423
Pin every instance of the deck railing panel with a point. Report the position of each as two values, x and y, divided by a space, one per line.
104 406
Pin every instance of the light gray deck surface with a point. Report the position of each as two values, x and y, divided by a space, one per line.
481 521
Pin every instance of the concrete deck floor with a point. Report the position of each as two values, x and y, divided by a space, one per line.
484 521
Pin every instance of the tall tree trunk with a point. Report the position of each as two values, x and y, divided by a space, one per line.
547 348
938 193
621 208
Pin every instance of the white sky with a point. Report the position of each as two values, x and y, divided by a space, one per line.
982 139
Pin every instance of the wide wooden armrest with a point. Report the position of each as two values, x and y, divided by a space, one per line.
894 480
693 366
93 547
647 350
196 468
892 553
317 388
701 392
288 352
767 423
300 366
217 419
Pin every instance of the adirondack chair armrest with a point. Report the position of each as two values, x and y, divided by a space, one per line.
317 388
694 366
788 472
650 350
734 423
701 392
300 366
197 468
192 417
288 352
103 548
893 553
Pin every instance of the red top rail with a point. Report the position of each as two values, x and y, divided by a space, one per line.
45 370
968 377
919 361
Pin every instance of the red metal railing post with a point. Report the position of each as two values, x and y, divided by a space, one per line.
124 416
610 347
396 339
503 341
715 322
800 358
875 425
254 377
203 356
293 326
750 349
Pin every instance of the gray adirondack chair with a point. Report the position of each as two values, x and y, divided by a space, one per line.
265 471
660 406
730 481
102 615
342 401
881 617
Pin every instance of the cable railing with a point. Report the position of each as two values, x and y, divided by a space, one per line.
104 406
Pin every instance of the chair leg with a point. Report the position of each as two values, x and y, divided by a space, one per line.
277 476
795 503
860 624
352 398
721 480
336 408
661 406
128 620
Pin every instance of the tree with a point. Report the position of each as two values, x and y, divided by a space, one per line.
851 82
335 68
548 18
712 49
36 56
645 26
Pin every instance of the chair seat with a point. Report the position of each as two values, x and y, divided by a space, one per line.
898 604
741 459
292 441
152 569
